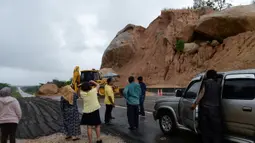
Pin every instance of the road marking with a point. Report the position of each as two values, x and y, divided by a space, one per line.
123 107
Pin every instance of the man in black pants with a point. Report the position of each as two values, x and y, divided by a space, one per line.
142 96
132 94
210 117
109 101
8 130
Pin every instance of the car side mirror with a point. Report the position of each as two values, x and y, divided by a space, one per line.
178 93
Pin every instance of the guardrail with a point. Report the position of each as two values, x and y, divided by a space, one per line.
165 91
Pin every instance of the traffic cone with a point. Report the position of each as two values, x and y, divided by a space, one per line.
161 93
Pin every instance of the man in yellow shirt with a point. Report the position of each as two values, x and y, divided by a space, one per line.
109 101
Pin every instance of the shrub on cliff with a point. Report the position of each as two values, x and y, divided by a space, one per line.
179 45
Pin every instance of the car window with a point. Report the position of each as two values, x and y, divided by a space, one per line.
192 90
242 89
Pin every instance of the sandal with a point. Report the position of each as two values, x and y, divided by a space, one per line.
75 139
67 138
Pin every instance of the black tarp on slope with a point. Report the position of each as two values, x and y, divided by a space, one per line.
40 117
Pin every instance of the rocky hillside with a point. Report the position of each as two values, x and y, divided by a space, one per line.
222 40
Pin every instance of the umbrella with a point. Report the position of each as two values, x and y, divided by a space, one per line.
110 74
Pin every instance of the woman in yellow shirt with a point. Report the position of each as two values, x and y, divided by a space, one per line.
91 115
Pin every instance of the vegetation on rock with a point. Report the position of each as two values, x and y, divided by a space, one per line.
179 45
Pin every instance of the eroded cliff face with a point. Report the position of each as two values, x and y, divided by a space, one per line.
151 52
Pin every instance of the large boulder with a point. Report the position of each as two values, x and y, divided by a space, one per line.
48 89
187 33
226 23
121 48
190 48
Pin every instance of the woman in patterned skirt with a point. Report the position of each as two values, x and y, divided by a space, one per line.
91 116
70 113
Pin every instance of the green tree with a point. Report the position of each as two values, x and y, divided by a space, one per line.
214 4
2 85
199 4
68 82
221 4
59 83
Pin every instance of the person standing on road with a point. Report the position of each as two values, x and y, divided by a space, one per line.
209 101
69 108
142 96
91 115
10 115
109 101
132 94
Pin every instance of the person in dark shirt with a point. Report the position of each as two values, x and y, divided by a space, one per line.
209 101
142 96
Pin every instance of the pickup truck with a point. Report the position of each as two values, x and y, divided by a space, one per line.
238 106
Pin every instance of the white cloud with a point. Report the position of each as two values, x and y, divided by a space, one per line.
95 37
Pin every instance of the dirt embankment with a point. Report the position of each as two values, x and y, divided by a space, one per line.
222 40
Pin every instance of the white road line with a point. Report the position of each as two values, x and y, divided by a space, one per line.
23 94
126 108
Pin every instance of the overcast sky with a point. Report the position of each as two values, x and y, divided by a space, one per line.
45 39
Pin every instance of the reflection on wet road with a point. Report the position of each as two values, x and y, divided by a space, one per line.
148 132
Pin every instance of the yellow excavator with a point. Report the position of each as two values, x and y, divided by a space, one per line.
87 75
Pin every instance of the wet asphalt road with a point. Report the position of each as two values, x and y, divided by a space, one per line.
149 130
23 94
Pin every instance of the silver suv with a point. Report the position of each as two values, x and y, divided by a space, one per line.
238 105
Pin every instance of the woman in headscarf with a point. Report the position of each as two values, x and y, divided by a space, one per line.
76 79
10 115
70 113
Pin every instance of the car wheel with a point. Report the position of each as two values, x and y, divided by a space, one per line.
167 123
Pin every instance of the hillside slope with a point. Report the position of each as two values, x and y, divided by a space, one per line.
221 40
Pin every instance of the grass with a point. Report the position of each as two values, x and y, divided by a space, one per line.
179 45
177 9
15 92
30 89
